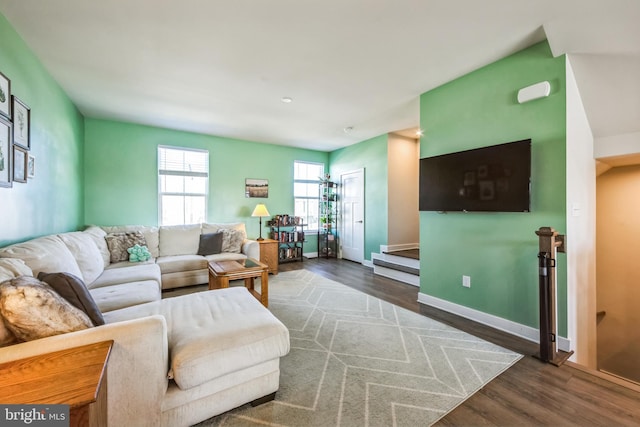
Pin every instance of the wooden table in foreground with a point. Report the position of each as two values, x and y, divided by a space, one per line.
68 377
221 272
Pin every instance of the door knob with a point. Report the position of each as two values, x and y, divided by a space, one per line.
360 222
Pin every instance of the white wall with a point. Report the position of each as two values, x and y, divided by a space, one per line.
403 170
581 228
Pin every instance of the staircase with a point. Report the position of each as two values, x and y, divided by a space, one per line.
402 265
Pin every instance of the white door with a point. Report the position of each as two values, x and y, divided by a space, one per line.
352 215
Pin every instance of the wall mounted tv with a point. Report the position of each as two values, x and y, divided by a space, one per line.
488 179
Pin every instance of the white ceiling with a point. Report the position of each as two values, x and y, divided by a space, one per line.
221 67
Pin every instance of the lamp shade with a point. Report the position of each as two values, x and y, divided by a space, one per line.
260 210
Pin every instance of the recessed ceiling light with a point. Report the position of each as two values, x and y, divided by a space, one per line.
286 99
348 129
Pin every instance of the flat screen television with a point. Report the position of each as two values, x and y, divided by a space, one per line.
488 179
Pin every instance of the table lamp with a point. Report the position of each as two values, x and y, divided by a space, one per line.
260 211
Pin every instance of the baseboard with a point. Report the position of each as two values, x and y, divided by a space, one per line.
400 247
368 263
513 328
310 254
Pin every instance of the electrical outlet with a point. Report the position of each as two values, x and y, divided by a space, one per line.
466 281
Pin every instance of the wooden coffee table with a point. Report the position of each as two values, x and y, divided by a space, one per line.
221 272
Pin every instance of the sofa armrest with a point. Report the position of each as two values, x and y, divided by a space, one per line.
251 249
136 371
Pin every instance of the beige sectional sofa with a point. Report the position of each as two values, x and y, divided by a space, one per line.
175 361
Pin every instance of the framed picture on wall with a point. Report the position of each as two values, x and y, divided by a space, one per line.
31 166
20 159
256 187
21 124
6 156
5 96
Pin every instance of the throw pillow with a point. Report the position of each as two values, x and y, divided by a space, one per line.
6 336
73 289
232 241
138 253
33 310
210 243
118 244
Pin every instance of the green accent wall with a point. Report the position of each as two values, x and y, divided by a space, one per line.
52 201
498 250
121 178
370 155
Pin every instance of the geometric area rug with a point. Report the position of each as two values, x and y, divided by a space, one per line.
356 360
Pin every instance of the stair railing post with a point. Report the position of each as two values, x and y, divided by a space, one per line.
550 242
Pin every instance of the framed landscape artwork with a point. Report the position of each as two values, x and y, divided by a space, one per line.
20 158
256 187
5 154
21 124
5 96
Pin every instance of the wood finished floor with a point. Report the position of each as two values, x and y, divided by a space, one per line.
530 393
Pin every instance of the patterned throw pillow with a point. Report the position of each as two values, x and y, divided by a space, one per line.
118 244
32 309
232 240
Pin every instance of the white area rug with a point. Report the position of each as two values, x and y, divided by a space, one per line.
356 360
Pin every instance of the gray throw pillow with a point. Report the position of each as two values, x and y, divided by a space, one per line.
210 243
72 289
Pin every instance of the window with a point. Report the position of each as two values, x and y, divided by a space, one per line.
306 180
183 183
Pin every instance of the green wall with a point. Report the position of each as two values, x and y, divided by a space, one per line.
498 250
52 201
371 155
121 174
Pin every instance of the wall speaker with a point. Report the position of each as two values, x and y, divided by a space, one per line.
538 90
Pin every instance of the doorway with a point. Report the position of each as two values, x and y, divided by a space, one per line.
352 215
618 272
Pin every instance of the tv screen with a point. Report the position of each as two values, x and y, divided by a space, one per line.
489 179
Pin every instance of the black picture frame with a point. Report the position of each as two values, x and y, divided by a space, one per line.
21 124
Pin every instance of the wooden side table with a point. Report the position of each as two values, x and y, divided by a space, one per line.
269 254
222 272
69 377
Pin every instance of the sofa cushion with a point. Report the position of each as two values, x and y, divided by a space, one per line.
32 309
48 253
177 263
86 253
213 227
150 234
131 273
179 239
98 235
210 243
225 256
73 290
214 333
116 297
10 268
118 244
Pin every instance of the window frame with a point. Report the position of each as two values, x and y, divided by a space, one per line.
185 174
311 228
